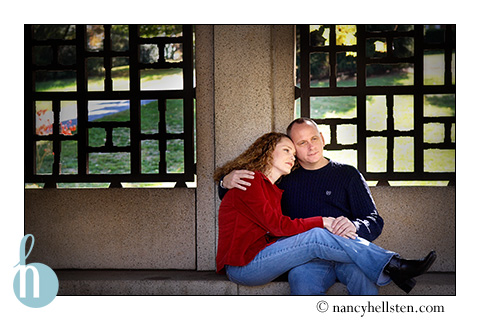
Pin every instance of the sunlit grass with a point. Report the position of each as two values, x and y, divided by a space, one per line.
324 107
120 77
116 163
441 105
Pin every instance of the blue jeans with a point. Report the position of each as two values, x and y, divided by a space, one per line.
317 276
317 243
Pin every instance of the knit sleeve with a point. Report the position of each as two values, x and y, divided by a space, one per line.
368 222
221 191
257 205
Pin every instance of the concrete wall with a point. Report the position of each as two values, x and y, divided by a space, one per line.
245 77
112 228
417 220
254 78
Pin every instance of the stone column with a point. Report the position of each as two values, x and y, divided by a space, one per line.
245 78
206 192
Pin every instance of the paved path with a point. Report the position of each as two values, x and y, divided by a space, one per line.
96 110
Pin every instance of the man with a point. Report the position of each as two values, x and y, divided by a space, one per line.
321 187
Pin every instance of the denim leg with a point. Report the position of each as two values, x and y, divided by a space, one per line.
312 278
317 276
356 281
291 252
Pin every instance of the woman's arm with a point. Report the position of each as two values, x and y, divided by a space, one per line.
260 204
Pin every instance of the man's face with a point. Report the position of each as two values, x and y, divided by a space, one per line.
308 143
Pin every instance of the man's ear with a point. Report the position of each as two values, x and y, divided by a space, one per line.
323 139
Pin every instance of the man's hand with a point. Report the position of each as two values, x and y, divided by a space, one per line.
235 179
343 227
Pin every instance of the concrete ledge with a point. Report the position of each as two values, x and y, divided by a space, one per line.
112 228
173 282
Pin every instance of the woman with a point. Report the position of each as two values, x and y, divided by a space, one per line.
257 243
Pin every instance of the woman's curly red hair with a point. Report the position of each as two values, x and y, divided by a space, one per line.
257 157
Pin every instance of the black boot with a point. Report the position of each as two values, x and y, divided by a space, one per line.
402 271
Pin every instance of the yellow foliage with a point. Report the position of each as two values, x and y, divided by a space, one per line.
346 35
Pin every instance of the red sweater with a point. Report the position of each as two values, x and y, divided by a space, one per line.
250 220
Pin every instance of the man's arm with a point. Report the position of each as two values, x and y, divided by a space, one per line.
366 219
235 179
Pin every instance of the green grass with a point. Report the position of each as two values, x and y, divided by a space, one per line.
119 76
149 149
434 106
321 107
116 163
119 162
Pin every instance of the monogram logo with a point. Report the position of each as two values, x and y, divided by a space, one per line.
35 284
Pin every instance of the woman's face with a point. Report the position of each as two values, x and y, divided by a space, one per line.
283 157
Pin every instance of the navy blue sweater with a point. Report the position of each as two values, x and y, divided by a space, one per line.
332 191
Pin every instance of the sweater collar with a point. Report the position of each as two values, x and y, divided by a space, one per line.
274 185
329 164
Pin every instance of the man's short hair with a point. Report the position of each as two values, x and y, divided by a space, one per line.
300 121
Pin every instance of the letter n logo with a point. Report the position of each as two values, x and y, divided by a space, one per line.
35 284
